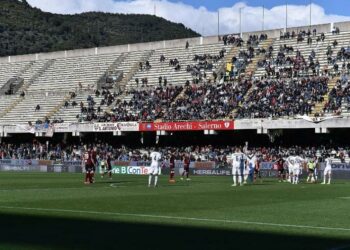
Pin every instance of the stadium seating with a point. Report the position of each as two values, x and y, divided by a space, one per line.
49 83
183 55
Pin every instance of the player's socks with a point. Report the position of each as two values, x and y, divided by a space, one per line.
324 179
86 177
329 180
155 180
91 178
245 179
296 179
234 180
240 180
149 180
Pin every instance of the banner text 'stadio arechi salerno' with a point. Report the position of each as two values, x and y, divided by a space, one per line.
186 126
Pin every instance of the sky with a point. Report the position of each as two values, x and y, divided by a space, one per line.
202 15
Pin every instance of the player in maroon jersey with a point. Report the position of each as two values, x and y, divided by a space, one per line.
186 162
280 169
257 168
109 165
172 168
89 166
94 162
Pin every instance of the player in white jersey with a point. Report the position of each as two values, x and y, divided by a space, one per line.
294 166
239 161
249 168
298 168
290 165
155 168
327 170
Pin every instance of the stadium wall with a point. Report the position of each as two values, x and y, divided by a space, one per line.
207 168
262 126
274 33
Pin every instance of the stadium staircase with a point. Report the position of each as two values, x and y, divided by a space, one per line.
39 72
117 62
184 56
57 108
122 63
124 83
319 106
252 67
134 69
29 74
250 72
179 96
112 70
227 59
7 104
305 49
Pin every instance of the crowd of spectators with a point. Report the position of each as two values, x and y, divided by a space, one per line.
278 97
253 40
339 94
146 104
204 62
207 101
234 40
93 111
218 154
285 65
302 34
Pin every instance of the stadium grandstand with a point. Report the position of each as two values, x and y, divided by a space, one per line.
188 108
276 79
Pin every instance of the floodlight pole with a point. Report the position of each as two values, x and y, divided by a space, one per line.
263 18
286 16
310 13
218 24
240 22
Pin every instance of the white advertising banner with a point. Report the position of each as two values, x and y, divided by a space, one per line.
115 126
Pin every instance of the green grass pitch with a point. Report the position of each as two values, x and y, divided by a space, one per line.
57 211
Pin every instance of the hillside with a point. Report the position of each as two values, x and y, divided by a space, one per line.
24 29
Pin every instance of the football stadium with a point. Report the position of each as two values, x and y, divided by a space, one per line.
160 124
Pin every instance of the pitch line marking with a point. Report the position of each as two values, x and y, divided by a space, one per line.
344 198
176 218
113 185
41 189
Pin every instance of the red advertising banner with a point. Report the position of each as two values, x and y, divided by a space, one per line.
186 126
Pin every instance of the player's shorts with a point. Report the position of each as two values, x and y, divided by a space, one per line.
109 168
296 170
328 170
311 170
154 169
281 171
89 167
187 169
236 170
246 171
